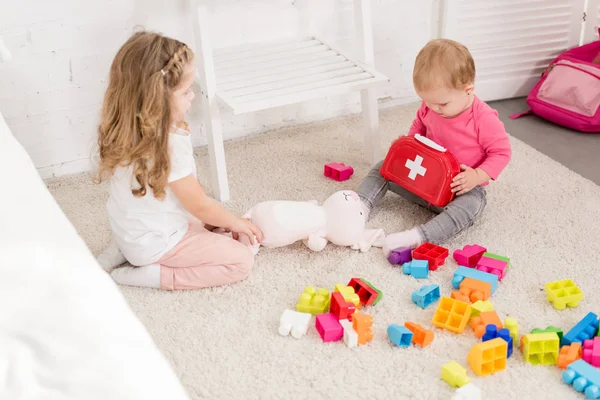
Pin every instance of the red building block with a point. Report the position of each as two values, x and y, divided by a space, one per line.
367 294
436 255
470 255
338 171
341 308
591 351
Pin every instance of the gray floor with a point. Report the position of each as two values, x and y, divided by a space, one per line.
577 151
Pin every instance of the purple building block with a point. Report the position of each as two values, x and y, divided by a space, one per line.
400 256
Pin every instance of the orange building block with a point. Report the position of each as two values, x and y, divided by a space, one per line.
568 354
488 357
452 315
475 290
482 320
363 325
457 295
421 336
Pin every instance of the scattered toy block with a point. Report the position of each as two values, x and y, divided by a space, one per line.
365 292
363 325
481 306
488 357
338 171
436 255
329 327
564 293
421 336
454 374
484 319
400 256
294 323
469 255
457 295
341 308
541 348
513 327
584 330
498 257
348 293
379 292
549 329
428 294
475 290
417 268
313 302
465 272
400 335
584 378
452 315
350 335
467 392
492 332
568 354
591 351
492 265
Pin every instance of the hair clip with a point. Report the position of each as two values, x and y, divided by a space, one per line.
163 72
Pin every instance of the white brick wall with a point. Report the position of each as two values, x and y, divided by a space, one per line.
51 92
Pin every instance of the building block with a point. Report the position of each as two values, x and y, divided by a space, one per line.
313 302
341 308
350 335
568 354
348 293
294 322
399 335
417 268
591 351
465 272
365 292
513 327
584 330
484 319
454 374
379 292
481 306
475 290
421 336
363 325
550 329
400 256
436 255
452 315
584 378
541 348
329 327
492 265
492 332
488 357
467 392
428 294
469 255
564 293
338 171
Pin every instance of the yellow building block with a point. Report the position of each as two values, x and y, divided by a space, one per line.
313 302
454 374
541 348
488 357
513 327
481 306
452 315
563 293
348 293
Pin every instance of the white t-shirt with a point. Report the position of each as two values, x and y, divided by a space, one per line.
146 228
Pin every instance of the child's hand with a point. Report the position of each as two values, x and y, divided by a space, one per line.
245 227
468 179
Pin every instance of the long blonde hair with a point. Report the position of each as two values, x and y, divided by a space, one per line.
135 122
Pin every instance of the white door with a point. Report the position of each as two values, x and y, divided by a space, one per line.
512 41
592 23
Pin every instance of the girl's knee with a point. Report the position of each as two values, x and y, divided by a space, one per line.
244 264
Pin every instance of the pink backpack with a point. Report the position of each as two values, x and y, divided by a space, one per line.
568 93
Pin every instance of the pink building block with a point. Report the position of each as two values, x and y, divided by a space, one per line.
470 255
591 351
492 266
329 327
338 171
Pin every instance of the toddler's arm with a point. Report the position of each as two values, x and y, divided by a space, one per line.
496 144
418 126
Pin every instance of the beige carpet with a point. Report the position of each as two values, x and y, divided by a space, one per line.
223 342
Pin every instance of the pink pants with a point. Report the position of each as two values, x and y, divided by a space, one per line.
203 259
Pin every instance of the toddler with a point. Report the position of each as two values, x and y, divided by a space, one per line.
452 116
160 216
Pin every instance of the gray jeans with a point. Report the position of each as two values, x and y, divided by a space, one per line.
459 214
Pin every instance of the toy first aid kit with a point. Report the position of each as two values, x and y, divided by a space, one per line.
422 167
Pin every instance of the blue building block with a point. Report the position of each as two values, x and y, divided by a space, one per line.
584 330
428 294
466 272
400 335
584 378
492 332
417 268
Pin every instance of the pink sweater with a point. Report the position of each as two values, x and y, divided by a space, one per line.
476 137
